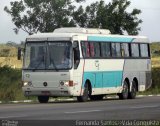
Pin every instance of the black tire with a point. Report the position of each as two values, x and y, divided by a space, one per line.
125 91
43 99
132 93
85 95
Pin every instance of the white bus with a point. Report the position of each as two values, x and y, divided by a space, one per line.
85 63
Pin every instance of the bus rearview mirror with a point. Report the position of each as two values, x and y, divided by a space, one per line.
19 53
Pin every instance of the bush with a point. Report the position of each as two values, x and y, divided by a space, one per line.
10 80
155 88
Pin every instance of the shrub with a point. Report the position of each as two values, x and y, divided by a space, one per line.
10 80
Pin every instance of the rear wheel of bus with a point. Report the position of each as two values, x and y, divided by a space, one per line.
43 99
132 93
125 91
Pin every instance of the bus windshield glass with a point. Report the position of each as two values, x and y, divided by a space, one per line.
48 55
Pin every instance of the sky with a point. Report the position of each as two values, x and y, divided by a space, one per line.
150 16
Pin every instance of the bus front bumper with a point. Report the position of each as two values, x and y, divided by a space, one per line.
46 92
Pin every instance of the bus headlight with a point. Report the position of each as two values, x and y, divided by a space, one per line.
27 83
62 83
66 83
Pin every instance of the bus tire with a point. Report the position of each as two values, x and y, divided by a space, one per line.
125 91
132 93
85 95
43 99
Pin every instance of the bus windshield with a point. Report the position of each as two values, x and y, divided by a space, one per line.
48 55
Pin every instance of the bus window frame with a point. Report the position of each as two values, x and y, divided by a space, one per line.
148 50
111 56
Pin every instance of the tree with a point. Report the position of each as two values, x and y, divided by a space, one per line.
34 16
112 16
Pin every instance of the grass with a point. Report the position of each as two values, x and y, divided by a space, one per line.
7 51
155 62
10 61
8 56
10 84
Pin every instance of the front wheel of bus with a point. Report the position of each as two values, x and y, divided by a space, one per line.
85 95
43 99
125 91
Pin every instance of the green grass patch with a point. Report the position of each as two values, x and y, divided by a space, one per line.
10 84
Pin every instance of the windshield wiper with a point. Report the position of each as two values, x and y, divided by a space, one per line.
52 60
41 61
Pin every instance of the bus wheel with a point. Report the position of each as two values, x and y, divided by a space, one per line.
132 93
85 95
43 99
125 91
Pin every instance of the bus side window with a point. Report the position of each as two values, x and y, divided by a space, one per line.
144 50
105 49
116 52
76 54
125 49
135 50
92 49
97 49
85 49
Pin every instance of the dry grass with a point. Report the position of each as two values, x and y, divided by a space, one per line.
10 61
8 56
155 62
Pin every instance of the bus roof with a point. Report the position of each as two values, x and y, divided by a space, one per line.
88 34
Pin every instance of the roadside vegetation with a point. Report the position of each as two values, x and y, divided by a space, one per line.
10 84
155 52
10 73
10 77
8 55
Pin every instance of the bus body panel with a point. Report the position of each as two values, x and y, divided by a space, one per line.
139 69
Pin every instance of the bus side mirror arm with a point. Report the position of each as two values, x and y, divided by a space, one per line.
19 53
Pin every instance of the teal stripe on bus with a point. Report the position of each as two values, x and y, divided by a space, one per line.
109 39
103 79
